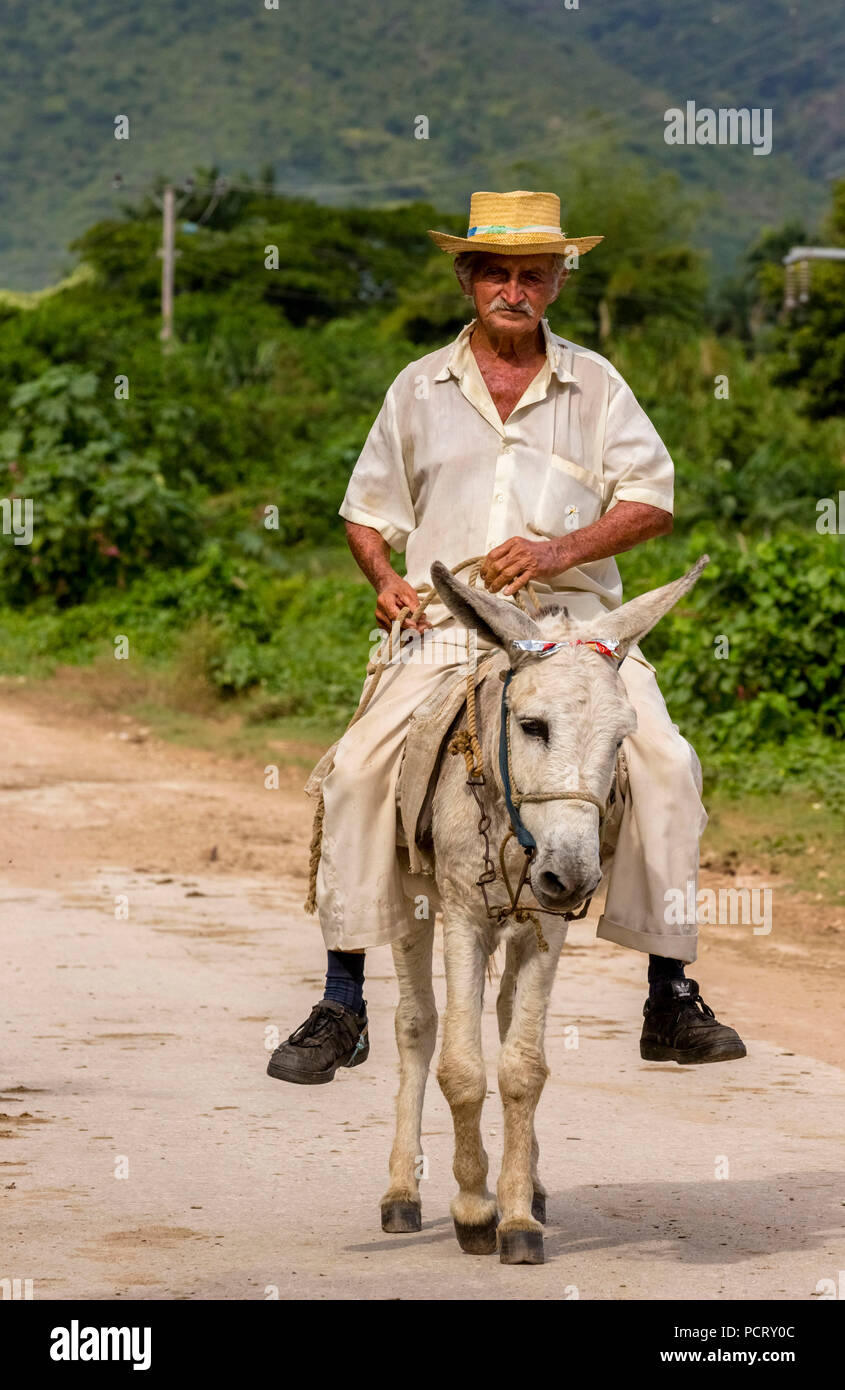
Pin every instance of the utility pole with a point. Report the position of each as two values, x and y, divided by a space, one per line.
168 261
168 251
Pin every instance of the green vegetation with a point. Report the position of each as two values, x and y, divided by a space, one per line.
154 475
330 94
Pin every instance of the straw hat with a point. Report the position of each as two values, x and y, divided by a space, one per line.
517 224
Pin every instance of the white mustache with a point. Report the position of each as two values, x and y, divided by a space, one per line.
523 308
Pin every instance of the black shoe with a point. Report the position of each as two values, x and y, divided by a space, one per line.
331 1037
679 1027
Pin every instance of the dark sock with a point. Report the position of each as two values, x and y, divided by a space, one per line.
664 968
345 979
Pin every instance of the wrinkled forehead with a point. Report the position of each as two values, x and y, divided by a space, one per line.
490 260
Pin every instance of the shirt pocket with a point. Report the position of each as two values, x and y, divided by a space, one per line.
570 497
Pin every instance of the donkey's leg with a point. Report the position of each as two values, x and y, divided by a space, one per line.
522 1075
538 1199
463 1080
504 1012
416 1031
507 989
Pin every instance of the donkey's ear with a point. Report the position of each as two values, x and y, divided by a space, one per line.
490 616
634 619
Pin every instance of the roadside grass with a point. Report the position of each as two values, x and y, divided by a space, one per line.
781 822
793 836
176 704
286 742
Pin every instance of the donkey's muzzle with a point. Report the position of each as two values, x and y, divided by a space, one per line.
550 889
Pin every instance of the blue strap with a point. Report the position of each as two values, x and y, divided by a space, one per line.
522 833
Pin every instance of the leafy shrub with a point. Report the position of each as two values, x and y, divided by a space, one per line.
148 512
101 514
779 603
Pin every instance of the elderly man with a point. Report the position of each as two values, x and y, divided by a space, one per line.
517 444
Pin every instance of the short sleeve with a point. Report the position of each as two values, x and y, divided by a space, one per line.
378 494
636 463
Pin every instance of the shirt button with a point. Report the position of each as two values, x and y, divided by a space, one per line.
500 497
507 449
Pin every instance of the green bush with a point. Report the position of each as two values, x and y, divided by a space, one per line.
149 511
101 514
756 653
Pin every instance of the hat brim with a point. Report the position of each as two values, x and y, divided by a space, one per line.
526 244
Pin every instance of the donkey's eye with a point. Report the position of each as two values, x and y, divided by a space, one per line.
535 728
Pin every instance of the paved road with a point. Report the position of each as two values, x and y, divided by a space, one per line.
137 1045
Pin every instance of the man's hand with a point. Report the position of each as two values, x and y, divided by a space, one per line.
372 556
512 564
394 595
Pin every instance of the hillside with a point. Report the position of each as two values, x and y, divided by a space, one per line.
327 94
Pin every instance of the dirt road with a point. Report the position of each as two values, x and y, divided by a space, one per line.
152 933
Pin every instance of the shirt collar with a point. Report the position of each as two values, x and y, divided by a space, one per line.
457 360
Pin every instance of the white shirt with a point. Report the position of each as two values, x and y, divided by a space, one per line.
442 477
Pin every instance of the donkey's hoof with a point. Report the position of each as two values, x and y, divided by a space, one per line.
477 1240
538 1207
401 1217
521 1248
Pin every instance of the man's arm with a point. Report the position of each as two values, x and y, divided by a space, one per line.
512 564
372 556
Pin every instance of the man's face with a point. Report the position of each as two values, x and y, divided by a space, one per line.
512 293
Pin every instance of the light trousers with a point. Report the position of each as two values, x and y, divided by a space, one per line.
365 897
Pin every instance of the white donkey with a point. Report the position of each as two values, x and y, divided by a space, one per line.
567 713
